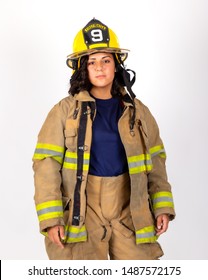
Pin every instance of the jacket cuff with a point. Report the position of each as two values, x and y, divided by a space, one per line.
165 210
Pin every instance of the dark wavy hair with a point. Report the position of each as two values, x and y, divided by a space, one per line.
80 81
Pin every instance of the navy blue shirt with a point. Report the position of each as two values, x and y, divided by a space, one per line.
107 157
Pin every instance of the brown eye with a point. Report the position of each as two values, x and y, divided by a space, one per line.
107 61
91 63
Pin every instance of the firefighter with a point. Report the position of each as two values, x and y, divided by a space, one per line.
101 188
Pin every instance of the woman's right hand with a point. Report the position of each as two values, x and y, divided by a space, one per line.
56 235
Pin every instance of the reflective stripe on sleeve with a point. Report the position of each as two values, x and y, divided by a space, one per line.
75 234
49 210
44 150
162 199
143 162
146 235
158 150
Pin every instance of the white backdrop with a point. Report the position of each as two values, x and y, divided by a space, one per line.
169 52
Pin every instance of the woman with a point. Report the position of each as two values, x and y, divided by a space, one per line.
101 185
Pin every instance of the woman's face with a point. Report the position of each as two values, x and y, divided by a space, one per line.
101 69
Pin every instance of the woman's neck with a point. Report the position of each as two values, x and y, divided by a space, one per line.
101 93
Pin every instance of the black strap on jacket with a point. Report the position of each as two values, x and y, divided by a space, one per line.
128 83
80 157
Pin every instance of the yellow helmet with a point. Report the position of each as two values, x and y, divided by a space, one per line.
95 37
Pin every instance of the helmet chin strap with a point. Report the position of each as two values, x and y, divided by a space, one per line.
128 81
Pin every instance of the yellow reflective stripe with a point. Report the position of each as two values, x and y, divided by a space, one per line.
141 157
70 161
74 234
162 199
44 150
161 194
71 154
48 204
49 210
70 166
146 235
146 240
158 150
52 215
74 155
50 147
140 169
74 166
163 204
42 156
139 163
143 162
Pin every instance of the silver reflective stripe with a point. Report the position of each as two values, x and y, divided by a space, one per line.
139 163
74 160
86 161
49 210
70 160
75 235
164 198
145 235
48 152
162 151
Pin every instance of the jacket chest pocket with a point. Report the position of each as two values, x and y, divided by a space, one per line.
70 134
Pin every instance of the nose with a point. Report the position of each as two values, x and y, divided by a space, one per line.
99 66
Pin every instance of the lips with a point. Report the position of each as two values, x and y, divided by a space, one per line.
100 76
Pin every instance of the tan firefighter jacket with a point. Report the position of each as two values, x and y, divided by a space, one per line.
61 163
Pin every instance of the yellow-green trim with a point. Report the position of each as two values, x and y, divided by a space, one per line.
158 150
146 235
45 150
139 163
49 210
162 199
70 161
73 234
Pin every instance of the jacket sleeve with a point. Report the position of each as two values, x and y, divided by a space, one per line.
160 193
47 163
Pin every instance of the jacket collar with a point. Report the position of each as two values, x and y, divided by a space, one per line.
83 96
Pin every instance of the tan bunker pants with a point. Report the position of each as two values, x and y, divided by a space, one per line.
111 233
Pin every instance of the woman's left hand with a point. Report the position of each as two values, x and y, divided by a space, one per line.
162 224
